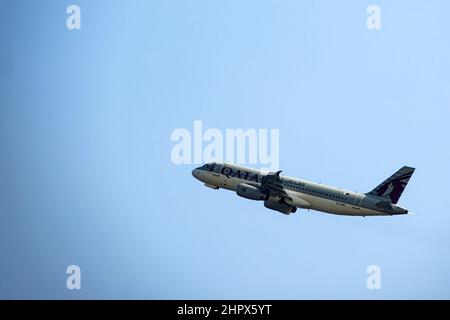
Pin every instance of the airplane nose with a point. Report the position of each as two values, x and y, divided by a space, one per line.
198 174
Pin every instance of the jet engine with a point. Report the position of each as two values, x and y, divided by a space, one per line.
250 192
279 206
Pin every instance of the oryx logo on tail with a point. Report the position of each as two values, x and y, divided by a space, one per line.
392 188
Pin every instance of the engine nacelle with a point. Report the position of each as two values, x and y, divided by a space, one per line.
250 192
282 207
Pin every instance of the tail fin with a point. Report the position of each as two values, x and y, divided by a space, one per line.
392 188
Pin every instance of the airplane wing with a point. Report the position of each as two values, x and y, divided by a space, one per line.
273 186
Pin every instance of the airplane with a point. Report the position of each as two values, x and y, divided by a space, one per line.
285 194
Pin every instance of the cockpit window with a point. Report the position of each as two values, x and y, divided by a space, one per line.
209 167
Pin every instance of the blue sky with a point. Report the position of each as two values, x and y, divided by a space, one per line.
86 175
